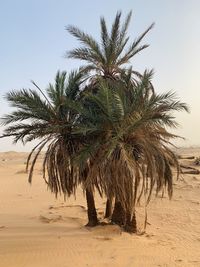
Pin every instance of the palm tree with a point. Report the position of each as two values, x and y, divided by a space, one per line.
50 118
130 151
110 57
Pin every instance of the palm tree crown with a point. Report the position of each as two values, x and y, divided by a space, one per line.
50 119
130 152
108 57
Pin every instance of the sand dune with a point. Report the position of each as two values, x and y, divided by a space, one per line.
38 230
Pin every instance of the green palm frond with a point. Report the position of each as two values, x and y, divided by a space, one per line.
86 40
55 93
125 26
104 34
30 105
107 57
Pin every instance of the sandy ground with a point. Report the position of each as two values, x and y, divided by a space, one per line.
37 230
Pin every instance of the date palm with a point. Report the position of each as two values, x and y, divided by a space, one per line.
130 151
50 118
109 58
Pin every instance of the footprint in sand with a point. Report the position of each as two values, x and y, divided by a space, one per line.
149 235
106 232
194 202
77 213
103 238
67 206
69 214
178 260
21 172
50 219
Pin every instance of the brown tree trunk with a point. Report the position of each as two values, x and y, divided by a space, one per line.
131 225
92 214
108 208
118 216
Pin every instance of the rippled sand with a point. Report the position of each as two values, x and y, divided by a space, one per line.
37 230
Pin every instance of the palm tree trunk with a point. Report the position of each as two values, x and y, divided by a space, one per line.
131 225
118 216
92 214
108 208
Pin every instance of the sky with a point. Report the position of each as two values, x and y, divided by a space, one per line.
33 42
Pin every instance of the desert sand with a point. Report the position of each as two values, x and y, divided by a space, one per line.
37 230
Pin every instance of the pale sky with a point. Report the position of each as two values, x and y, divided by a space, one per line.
33 42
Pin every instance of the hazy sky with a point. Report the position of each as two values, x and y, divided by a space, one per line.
33 42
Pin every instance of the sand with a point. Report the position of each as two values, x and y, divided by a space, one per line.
38 230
